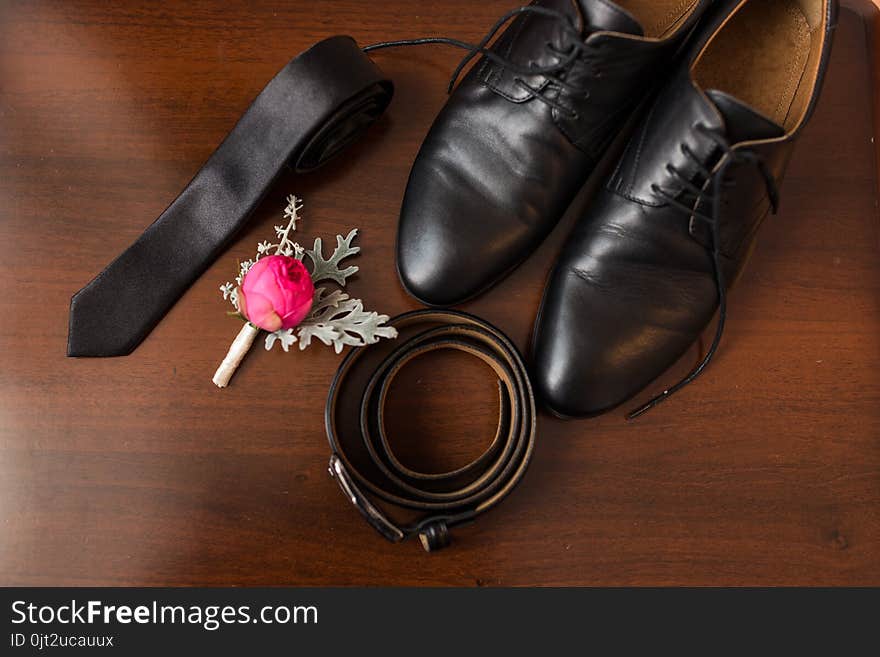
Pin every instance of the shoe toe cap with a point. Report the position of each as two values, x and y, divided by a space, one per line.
436 262
595 348
574 373
454 241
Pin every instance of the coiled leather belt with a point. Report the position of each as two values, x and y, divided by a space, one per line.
363 462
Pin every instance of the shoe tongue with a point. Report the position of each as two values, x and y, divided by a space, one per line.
605 16
741 121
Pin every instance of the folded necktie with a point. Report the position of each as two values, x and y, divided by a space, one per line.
314 107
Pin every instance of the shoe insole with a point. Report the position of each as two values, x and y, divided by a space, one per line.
658 17
760 57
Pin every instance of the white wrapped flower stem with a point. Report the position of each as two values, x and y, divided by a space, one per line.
237 351
334 319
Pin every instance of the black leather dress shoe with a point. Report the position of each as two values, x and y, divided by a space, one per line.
522 132
649 264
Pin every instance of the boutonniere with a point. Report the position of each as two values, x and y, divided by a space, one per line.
277 293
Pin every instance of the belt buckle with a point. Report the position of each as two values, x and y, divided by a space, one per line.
370 512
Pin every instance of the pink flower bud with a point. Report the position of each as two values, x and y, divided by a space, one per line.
276 293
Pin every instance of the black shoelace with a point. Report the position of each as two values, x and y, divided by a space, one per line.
730 157
578 50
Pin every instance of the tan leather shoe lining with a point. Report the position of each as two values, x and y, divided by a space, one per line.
764 56
658 17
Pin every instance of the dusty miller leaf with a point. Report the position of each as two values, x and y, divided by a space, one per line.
291 211
244 267
335 319
323 300
284 337
328 269
287 246
338 320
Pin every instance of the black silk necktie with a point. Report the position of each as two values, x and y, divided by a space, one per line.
310 111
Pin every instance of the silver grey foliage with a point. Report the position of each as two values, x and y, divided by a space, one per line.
335 318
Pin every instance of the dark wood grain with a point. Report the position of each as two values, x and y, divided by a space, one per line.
138 470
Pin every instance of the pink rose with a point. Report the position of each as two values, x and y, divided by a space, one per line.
276 293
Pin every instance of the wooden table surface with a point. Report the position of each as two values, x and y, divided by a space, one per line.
138 471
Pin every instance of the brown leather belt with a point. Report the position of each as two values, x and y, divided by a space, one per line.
363 462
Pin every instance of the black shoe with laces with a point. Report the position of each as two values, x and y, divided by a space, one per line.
646 268
522 132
